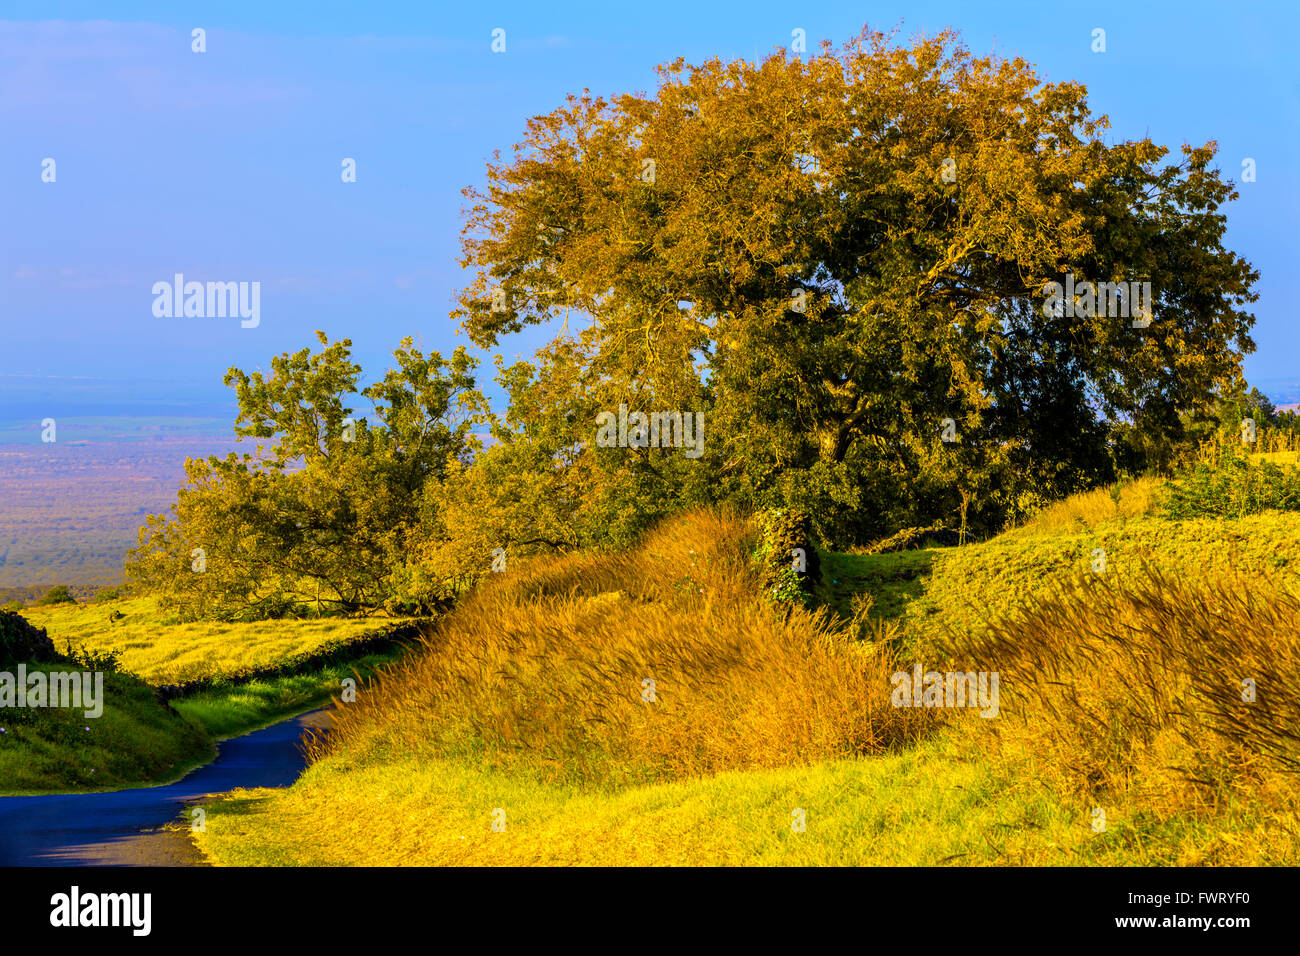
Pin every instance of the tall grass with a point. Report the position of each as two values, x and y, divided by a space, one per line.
1140 684
547 670
1080 512
1121 690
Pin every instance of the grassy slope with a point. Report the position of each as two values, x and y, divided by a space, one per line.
944 801
928 806
139 741
164 652
932 590
135 739
941 801
966 586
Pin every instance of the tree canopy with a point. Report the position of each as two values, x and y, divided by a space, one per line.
834 255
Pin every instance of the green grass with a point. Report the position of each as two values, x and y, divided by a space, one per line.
893 580
136 740
938 804
228 710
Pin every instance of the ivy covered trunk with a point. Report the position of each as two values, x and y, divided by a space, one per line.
790 562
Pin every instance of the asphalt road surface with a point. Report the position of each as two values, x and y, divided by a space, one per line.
127 827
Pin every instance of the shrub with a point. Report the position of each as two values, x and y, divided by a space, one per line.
104 595
1232 486
59 594
23 641
94 659
786 534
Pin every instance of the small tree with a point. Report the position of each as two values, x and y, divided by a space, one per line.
323 518
59 594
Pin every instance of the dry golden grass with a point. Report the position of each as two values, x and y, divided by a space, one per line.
1131 499
1134 687
545 670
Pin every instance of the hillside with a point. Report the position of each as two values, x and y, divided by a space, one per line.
521 735
161 650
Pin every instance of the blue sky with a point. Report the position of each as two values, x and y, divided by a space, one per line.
225 165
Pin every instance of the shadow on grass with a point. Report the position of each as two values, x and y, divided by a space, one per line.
892 580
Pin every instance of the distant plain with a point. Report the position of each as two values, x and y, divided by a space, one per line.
70 509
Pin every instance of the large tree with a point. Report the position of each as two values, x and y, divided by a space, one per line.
834 255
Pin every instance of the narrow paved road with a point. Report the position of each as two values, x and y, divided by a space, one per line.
125 827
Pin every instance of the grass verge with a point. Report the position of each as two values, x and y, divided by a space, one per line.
229 710
136 739
934 805
148 735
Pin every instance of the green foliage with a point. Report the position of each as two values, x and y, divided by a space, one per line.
786 586
321 522
829 317
94 658
1241 404
867 341
791 564
105 595
59 594
1231 487
544 487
